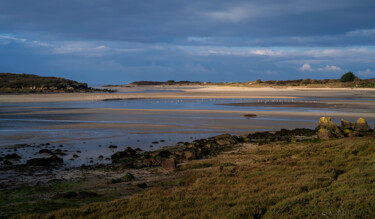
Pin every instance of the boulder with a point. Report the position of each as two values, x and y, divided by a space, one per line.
346 124
169 163
128 177
45 151
127 165
127 153
188 155
7 163
361 125
83 195
327 129
44 161
225 139
325 134
12 156
147 163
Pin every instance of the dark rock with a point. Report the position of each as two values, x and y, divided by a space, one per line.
249 115
44 161
128 177
67 195
155 142
7 163
346 124
127 165
188 155
169 163
45 151
75 156
114 181
112 146
225 139
164 154
83 195
142 185
12 156
101 157
147 163
127 153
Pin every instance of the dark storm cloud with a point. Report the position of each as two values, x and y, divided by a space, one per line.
119 41
176 20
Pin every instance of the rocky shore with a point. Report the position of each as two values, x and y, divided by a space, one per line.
172 157
133 171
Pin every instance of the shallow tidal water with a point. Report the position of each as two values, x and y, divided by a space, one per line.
78 129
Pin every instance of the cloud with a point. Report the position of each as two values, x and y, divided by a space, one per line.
332 68
361 33
366 73
306 67
254 23
231 15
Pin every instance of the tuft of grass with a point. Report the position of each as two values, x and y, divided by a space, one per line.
334 179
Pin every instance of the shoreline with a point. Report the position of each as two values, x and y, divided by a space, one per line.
204 92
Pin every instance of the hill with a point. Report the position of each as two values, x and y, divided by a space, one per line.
28 83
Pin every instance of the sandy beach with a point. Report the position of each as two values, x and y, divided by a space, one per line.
194 92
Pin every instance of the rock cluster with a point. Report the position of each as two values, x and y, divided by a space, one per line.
327 129
130 158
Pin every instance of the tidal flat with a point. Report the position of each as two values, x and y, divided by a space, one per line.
85 130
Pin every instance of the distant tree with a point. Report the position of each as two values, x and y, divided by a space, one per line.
348 77
259 81
306 81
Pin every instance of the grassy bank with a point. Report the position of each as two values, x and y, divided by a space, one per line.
332 178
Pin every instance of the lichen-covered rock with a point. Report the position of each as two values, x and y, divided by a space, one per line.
350 133
346 124
361 125
325 134
327 129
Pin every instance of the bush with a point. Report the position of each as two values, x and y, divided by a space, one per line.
348 77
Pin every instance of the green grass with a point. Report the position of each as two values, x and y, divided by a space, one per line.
330 179
38 198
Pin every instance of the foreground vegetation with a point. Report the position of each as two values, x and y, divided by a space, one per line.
27 83
333 178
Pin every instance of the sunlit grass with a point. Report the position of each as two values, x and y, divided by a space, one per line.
329 179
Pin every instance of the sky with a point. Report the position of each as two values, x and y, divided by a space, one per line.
120 41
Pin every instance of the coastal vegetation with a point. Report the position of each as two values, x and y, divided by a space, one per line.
324 172
28 83
347 80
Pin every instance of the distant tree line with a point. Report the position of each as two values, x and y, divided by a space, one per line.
347 80
169 82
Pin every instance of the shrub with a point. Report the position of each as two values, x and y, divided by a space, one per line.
348 77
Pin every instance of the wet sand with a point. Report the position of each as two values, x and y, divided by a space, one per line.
92 130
